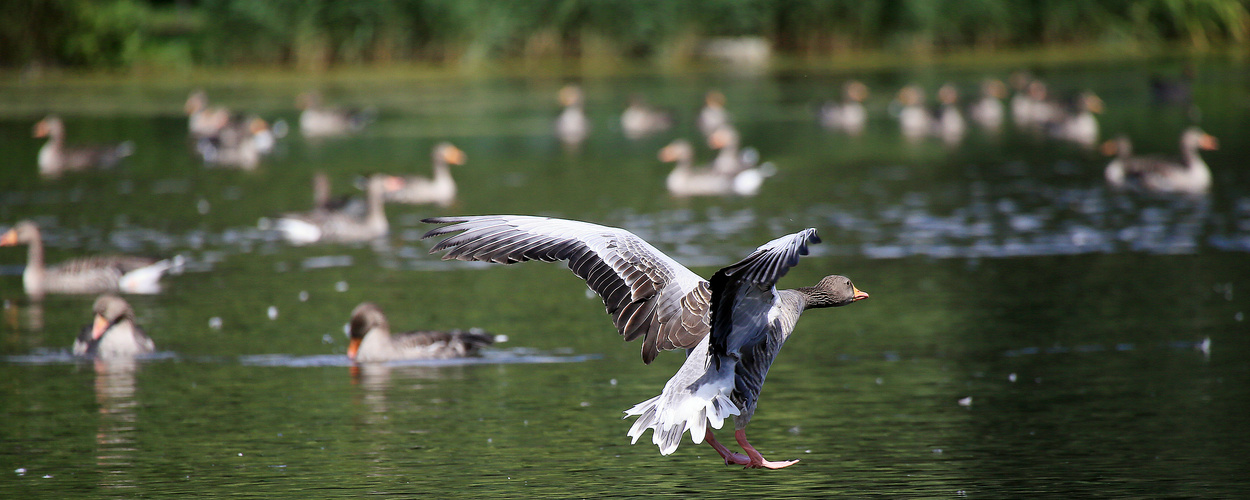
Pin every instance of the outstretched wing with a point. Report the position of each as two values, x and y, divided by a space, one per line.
647 293
742 294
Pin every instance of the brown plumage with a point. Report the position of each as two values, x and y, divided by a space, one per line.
372 341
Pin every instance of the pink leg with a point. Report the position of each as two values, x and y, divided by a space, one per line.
729 456
757 460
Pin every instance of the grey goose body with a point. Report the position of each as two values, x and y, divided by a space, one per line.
113 333
372 340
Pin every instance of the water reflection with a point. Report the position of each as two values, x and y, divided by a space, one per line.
115 436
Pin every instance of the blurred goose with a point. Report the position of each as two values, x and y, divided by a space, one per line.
732 326
914 120
238 144
321 225
113 334
371 340
202 120
639 119
729 159
988 111
318 121
713 115
1040 109
55 157
1020 101
322 201
949 124
849 115
572 127
688 180
1151 173
439 190
1076 122
98 274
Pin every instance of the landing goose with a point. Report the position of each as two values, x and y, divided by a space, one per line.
318 121
320 225
688 180
371 340
732 326
86 275
713 115
55 157
640 119
848 115
572 126
1190 175
113 334
439 190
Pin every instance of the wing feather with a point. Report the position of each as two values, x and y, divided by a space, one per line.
647 293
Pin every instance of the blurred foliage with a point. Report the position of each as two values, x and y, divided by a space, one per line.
321 33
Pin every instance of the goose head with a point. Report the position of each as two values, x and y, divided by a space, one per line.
832 291
1091 102
196 102
570 95
109 309
445 152
714 99
723 137
1194 138
21 233
855 90
910 95
366 317
948 94
308 100
677 151
1037 90
1120 146
49 126
993 88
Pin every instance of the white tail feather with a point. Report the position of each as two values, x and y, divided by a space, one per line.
693 398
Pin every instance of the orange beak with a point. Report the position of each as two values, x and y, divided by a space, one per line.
352 347
393 183
454 156
9 239
98 327
1209 143
667 154
859 295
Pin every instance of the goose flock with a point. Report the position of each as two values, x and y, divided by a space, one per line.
730 326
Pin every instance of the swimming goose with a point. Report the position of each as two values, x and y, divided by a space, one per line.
713 115
1021 110
55 157
237 144
321 225
733 325
914 120
639 119
688 180
440 190
988 111
730 159
318 121
322 201
849 115
1151 173
371 340
113 334
97 274
948 124
202 120
1076 121
572 127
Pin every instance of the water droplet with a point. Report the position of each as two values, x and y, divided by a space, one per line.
20 470
303 296
214 322
966 401
202 206
1011 377
613 381
272 312
340 286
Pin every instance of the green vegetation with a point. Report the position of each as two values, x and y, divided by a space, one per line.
316 34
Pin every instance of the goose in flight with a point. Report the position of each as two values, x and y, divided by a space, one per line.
732 326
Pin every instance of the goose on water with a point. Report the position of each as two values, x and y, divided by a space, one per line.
640 119
713 115
438 190
86 275
572 126
336 226
315 120
113 334
56 157
372 341
1189 175
731 326
688 180
848 115
988 111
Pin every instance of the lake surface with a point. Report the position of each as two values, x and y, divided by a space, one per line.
1031 333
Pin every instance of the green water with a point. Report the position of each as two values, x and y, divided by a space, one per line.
1001 270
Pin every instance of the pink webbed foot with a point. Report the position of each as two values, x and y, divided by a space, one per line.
757 461
731 458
